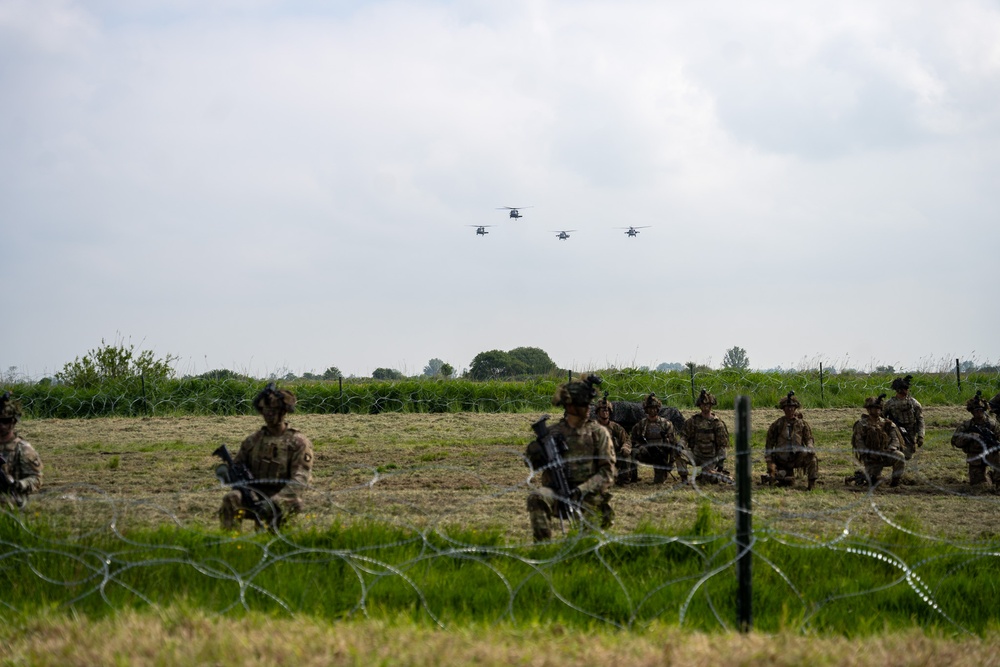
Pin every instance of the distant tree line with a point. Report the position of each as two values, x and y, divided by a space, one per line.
119 362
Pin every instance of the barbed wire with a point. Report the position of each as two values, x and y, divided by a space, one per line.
85 544
136 397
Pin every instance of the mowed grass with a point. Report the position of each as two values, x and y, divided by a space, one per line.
417 522
184 636
467 470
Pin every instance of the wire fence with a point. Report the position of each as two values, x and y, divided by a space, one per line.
197 396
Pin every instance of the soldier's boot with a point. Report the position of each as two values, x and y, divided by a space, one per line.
541 527
812 484
607 515
977 475
231 513
226 520
659 476
895 481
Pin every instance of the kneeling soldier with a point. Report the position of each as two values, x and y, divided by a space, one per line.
708 440
877 443
790 445
588 465
655 443
624 465
280 460
21 469
979 438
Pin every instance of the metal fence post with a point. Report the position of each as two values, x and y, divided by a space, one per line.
958 374
691 367
821 380
340 381
744 526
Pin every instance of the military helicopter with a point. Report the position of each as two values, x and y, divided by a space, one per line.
633 231
481 229
514 210
562 234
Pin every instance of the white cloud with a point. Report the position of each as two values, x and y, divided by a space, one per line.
184 171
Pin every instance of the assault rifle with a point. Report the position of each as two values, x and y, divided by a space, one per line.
986 437
240 478
8 486
555 450
907 436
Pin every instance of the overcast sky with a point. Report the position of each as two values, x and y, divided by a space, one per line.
283 187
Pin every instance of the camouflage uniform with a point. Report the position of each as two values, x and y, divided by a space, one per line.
624 465
789 445
655 443
590 461
995 405
590 464
707 439
908 415
877 443
982 451
23 465
280 464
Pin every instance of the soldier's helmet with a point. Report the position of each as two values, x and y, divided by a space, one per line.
705 397
272 397
9 408
605 404
873 402
652 402
902 384
789 400
977 402
579 392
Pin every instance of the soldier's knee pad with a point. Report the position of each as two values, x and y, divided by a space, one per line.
536 503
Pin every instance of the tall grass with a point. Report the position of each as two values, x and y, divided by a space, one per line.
382 571
232 397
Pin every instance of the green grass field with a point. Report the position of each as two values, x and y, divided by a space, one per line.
416 534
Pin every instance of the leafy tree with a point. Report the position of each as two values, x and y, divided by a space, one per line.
433 367
332 373
664 367
387 374
736 359
221 374
535 360
967 366
495 364
111 363
885 369
447 370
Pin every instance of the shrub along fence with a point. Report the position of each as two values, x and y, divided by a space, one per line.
198 396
